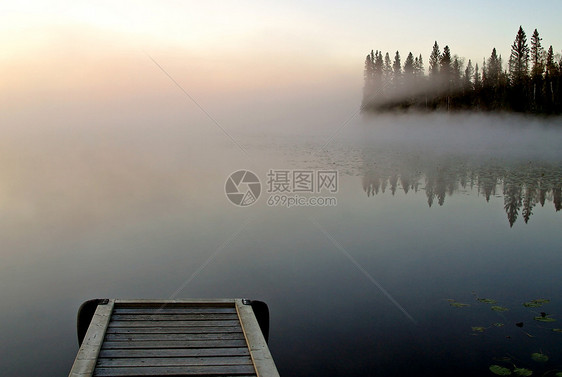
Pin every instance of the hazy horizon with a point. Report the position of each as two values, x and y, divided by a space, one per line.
255 61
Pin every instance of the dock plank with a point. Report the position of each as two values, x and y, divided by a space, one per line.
176 317
174 344
191 303
172 323
176 352
174 330
174 310
173 361
183 337
177 371
85 361
263 361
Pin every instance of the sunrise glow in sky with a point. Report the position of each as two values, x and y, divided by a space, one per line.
100 50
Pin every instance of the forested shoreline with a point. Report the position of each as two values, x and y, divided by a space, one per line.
530 82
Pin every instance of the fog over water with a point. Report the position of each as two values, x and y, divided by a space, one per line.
125 198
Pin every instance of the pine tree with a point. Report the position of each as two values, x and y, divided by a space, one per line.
387 71
519 59
445 69
409 67
378 74
537 55
419 80
434 59
445 61
420 68
397 71
397 65
494 70
368 75
477 79
378 63
468 74
551 71
550 64
457 73
537 70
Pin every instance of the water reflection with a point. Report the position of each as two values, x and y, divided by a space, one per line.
522 184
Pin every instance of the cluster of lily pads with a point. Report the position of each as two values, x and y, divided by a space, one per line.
543 317
538 357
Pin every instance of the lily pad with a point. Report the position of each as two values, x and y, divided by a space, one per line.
478 328
539 357
559 374
500 371
522 372
544 319
557 330
542 300
536 303
498 324
458 304
486 300
497 308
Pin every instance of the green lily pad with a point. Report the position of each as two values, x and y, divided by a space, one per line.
498 324
500 371
486 300
478 328
497 308
559 374
544 319
557 330
522 372
542 300
539 357
536 303
458 304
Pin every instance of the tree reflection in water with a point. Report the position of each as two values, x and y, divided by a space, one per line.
523 184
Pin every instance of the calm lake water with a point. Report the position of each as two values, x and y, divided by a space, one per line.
429 209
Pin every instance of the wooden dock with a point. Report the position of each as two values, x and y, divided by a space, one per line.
174 338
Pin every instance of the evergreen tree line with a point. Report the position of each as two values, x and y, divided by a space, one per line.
531 81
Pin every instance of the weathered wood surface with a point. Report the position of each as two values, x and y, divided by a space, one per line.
183 337
175 338
173 310
174 330
208 370
174 361
172 323
261 357
176 352
173 344
175 317
85 361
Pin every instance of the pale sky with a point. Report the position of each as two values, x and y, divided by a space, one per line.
100 49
